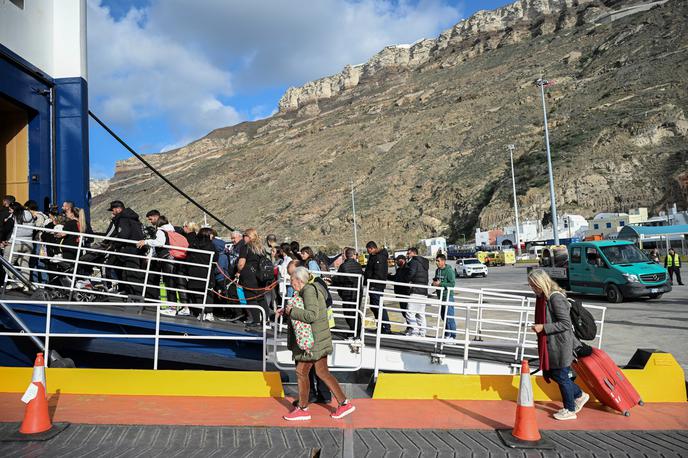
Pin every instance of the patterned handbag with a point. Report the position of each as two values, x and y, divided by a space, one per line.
302 331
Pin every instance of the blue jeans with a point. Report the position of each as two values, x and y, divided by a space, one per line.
569 390
450 324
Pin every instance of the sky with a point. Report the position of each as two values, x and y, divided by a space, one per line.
163 73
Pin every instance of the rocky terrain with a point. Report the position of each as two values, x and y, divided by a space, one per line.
422 131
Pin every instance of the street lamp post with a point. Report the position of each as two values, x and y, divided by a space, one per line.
353 208
555 221
513 181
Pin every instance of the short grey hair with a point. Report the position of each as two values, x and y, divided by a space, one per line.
236 233
301 274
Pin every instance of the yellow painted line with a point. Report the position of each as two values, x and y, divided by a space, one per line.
662 380
147 382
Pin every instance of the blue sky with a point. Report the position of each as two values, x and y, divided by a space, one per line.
163 73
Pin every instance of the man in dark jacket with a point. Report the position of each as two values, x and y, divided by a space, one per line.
6 223
350 297
377 269
401 275
418 275
125 225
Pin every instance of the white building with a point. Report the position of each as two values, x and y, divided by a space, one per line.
606 224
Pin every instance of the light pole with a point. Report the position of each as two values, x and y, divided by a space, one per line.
513 181
353 208
555 221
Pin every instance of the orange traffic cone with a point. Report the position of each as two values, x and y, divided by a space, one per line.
525 433
36 416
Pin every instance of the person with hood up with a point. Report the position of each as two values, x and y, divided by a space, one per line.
418 275
377 269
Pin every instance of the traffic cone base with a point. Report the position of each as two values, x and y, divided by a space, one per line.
525 433
36 424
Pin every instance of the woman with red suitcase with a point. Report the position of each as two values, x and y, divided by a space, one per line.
556 341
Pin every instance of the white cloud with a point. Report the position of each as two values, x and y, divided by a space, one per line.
136 74
278 42
178 62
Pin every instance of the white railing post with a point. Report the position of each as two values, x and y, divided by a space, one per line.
207 287
149 259
46 345
378 334
156 349
359 305
76 267
466 339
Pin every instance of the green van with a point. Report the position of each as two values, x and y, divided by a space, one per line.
616 269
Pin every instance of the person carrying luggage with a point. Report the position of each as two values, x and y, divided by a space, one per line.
556 341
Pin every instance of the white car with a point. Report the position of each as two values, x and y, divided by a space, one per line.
470 267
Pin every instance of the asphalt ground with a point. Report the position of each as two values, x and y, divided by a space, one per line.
659 324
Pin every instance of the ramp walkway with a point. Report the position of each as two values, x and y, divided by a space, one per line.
192 426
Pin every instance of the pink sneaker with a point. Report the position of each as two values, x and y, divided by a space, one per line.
298 414
343 410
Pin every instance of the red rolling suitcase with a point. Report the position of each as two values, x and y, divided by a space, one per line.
606 381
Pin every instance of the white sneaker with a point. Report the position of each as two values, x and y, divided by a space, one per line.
209 317
184 312
565 414
580 401
168 312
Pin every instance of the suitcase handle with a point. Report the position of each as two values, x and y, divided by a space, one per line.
609 384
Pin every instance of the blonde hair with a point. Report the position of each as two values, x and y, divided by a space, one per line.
254 244
80 215
193 226
540 279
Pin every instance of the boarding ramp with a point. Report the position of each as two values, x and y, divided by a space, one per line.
93 271
348 338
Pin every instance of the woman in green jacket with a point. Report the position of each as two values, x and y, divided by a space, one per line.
314 312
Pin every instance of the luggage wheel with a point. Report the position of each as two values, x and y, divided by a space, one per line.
641 403
627 413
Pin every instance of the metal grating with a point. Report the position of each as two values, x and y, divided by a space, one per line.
200 441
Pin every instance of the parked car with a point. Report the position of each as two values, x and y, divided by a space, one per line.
470 267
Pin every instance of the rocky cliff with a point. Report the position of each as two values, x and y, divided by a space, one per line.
422 131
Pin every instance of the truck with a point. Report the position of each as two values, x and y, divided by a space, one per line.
616 269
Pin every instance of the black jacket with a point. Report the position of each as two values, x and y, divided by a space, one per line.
418 274
200 258
6 224
350 266
125 226
402 275
377 269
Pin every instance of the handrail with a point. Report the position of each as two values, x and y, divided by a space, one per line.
133 270
353 311
47 334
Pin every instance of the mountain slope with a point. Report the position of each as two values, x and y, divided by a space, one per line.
422 131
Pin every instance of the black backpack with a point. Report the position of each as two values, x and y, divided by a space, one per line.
584 326
266 271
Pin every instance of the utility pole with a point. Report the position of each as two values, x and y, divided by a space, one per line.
353 208
513 181
555 221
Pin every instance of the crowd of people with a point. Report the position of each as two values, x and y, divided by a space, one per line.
190 262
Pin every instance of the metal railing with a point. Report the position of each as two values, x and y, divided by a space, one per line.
156 336
487 321
94 263
344 311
